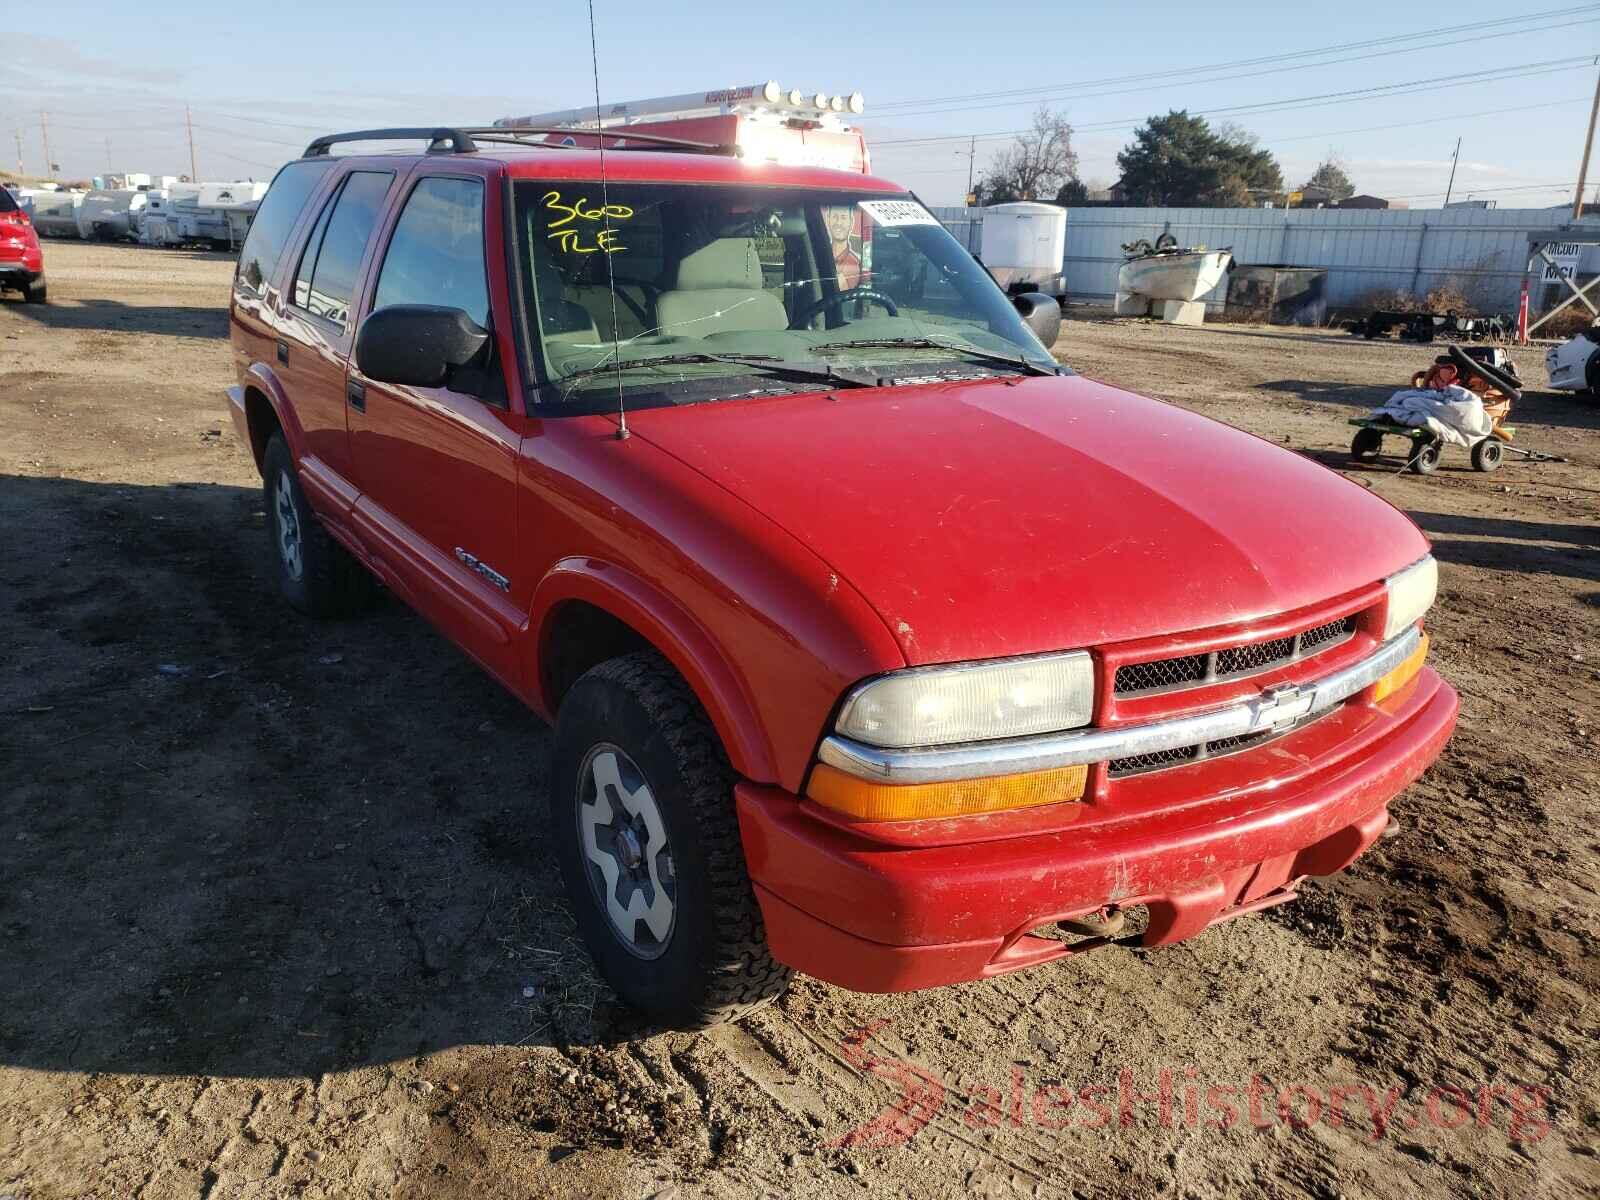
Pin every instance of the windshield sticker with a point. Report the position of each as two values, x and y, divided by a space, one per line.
891 213
570 235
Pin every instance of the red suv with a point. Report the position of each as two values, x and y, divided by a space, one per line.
878 645
21 260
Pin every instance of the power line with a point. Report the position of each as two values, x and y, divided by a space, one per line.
1453 118
1519 71
1423 35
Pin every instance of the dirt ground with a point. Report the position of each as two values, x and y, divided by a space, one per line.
275 919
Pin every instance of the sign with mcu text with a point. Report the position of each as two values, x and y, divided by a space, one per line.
1562 263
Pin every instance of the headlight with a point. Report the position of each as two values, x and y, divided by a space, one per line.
1411 595
972 702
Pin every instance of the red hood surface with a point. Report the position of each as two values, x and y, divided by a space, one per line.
1001 517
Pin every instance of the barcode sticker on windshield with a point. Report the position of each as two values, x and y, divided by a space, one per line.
897 212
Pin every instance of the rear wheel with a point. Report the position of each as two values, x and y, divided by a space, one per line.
1365 445
1488 454
648 841
35 292
314 572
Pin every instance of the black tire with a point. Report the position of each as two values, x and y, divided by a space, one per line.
1425 458
713 964
1488 454
329 582
1591 374
36 292
1366 444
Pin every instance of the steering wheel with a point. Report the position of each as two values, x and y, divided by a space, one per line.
838 299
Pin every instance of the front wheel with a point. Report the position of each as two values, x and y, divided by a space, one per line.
1425 458
641 808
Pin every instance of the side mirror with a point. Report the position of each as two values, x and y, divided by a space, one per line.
417 345
1041 314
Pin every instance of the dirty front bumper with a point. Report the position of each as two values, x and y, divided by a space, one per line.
885 918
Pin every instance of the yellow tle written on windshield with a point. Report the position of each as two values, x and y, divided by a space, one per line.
569 234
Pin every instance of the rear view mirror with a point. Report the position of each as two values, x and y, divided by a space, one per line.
1041 314
417 345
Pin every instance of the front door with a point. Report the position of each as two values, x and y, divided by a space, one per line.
437 467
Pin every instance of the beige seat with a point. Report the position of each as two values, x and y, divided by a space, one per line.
719 291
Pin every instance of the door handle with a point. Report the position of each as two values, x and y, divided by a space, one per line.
357 393
283 352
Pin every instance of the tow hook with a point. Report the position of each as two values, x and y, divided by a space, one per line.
1392 829
1104 922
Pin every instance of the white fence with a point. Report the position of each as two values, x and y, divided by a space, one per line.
1482 252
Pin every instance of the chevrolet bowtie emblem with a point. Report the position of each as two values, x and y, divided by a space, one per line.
1284 705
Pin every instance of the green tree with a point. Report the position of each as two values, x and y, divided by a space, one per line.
1180 160
1331 175
1073 191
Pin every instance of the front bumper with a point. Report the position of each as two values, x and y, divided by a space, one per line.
883 918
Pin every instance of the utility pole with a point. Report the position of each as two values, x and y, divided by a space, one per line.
109 166
194 175
18 135
1588 144
44 130
972 160
1450 187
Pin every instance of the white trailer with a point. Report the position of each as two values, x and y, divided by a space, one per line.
1025 246
55 213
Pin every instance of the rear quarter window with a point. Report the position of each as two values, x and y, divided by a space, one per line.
275 221
7 204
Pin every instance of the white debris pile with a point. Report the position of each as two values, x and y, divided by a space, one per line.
1452 414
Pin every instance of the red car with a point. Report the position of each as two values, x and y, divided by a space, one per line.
21 260
877 645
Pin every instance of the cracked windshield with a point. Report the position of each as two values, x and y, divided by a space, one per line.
725 291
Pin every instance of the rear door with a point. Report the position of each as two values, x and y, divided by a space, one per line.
317 327
437 467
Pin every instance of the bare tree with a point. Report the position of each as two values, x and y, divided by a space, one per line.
1037 164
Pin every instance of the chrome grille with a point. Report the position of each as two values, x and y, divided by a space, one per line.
1191 670
1139 764
1153 762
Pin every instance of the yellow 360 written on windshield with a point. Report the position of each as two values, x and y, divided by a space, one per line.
569 234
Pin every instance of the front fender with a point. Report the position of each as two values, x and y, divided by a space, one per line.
696 655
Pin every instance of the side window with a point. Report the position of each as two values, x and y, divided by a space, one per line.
436 253
326 278
275 220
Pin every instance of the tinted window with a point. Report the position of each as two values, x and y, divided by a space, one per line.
275 221
436 254
308 257
327 276
7 204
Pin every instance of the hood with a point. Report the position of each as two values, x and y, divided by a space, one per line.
1010 516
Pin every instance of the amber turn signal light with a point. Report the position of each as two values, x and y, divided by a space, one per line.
867 800
1403 674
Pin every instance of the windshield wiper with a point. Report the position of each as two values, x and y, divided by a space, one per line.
925 343
760 362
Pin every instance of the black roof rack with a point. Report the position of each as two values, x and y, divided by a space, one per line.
443 139
457 139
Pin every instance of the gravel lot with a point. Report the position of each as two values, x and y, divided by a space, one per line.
275 920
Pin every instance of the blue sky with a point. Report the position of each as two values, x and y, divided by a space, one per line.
262 79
